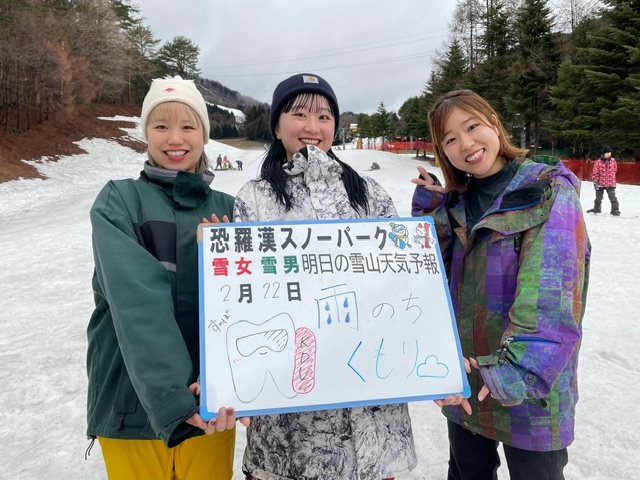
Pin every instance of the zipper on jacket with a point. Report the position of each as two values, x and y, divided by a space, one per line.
518 207
505 346
532 339
503 351
517 243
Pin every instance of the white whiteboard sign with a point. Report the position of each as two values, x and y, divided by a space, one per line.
311 315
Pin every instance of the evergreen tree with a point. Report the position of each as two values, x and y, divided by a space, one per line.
535 67
428 97
139 50
615 70
126 13
450 73
577 116
498 42
414 115
596 98
380 123
364 126
256 125
179 57
395 126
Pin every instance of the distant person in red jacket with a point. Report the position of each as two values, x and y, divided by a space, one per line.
604 178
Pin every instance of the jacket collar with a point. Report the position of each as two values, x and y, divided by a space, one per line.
185 188
523 204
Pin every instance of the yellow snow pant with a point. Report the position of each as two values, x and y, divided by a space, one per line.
207 457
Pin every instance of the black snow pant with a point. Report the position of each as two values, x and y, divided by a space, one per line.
611 192
474 457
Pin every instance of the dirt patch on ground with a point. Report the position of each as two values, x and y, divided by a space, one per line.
242 143
54 139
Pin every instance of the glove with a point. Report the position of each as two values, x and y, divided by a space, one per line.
596 186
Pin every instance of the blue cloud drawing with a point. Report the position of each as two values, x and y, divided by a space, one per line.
432 368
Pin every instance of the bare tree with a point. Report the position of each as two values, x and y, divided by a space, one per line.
467 25
97 42
141 68
569 13
57 55
33 68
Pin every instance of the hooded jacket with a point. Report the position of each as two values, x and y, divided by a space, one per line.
362 443
518 283
604 172
143 348
315 186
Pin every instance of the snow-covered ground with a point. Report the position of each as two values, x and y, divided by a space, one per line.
46 301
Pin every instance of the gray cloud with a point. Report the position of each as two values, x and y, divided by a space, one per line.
370 51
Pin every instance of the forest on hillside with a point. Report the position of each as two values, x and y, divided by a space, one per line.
563 74
58 55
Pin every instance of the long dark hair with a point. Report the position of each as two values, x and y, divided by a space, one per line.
272 168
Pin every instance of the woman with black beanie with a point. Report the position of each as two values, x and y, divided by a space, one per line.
302 179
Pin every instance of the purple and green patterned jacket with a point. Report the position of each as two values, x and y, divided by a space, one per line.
518 284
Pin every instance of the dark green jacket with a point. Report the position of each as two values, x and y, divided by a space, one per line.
143 335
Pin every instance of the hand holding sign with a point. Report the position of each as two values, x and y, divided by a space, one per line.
312 315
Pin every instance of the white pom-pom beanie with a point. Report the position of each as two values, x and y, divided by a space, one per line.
174 89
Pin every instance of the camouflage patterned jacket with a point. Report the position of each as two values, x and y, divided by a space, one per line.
518 284
363 443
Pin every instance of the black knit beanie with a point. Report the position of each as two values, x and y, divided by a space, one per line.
295 85
606 149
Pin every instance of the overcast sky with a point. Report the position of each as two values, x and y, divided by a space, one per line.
370 51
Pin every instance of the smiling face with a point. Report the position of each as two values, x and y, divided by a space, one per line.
175 137
472 144
309 122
